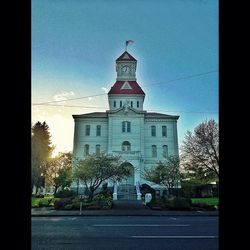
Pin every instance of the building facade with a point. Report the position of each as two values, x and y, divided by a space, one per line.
141 138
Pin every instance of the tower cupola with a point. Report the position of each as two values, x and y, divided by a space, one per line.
126 92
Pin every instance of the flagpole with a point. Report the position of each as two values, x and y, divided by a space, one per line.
127 43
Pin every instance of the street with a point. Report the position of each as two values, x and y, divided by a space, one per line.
125 232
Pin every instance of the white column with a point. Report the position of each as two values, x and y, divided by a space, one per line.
138 192
115 192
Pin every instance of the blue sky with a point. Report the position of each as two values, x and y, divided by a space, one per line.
75 44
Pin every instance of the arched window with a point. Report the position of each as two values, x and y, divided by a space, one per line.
126 146
86 149
114 104
98 149
154 151
165 151
137 104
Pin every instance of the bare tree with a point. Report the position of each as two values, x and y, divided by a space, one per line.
200 151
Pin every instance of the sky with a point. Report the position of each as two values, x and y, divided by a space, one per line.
75 44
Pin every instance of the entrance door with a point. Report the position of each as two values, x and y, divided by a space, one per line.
130 180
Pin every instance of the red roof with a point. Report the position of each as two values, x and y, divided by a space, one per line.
126 57
117 88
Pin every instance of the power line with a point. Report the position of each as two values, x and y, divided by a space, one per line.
183 78
165 82
67 106
71 99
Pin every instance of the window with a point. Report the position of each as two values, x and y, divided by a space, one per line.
98 130
165 151
131 104
120 104
154 151
87 131
126 146
86 150
126 126
137 103
98 149
164 131
153 131
114 104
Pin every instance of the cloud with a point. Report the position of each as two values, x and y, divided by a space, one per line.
105 89
64 95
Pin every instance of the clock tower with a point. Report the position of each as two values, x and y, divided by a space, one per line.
126 67
126 92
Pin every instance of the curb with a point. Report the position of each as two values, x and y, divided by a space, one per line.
123 214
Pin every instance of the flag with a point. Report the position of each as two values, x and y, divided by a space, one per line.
129 41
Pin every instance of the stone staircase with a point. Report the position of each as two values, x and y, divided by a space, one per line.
126 192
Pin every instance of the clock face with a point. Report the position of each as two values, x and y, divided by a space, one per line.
125 69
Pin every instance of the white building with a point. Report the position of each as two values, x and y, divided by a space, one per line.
141 138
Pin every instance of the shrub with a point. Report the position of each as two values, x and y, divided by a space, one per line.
106 191
53 200
99 198
203 206
64 194
181 203
39 196
108 203
68 207
59 204
102 201
167 203
43 203
76 203
173 203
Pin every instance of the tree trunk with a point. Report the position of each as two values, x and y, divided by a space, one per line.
77 187
91 193
56 187
36 188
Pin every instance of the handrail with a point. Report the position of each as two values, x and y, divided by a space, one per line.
138 192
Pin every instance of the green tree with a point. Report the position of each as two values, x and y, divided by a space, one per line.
58 171
165 173
63 179
96 169
41 150
200 151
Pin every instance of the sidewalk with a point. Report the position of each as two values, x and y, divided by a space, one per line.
39 212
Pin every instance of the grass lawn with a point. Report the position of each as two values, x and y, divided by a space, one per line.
209 201
35 201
